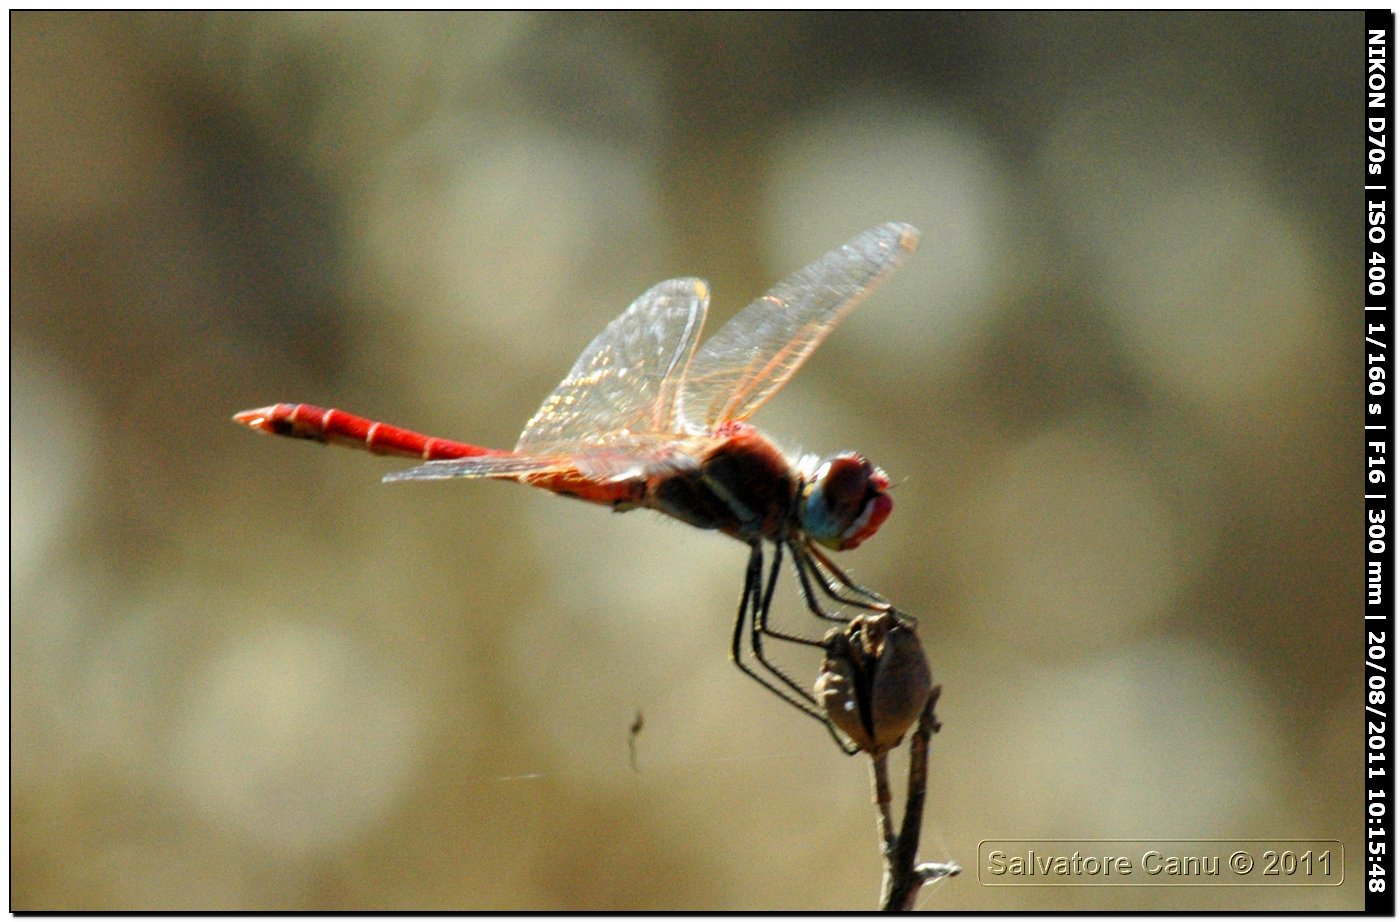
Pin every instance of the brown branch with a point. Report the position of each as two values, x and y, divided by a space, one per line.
903 876
880 779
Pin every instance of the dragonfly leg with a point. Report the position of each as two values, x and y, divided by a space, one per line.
834 582
801 564
753 614
760 624
754 605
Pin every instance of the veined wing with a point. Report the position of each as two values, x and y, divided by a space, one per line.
755 354
507 465
627 378
622 456
642 454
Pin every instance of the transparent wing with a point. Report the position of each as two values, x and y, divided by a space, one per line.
484 466
630 455
755 354
621 457
627 378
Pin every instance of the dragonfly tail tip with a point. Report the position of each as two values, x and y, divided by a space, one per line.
253 419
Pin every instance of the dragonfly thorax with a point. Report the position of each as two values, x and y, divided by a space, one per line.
845 501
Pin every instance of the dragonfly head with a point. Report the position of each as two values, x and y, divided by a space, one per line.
845 501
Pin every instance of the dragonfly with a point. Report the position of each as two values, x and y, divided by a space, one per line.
650 418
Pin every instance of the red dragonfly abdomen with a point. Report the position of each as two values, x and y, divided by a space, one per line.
336 427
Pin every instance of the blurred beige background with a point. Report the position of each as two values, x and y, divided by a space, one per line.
1115 388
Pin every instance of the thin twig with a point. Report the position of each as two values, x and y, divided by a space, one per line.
880 776
903 877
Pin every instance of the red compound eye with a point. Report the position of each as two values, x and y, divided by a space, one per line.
846 502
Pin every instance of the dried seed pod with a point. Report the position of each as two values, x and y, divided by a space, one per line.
875 680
